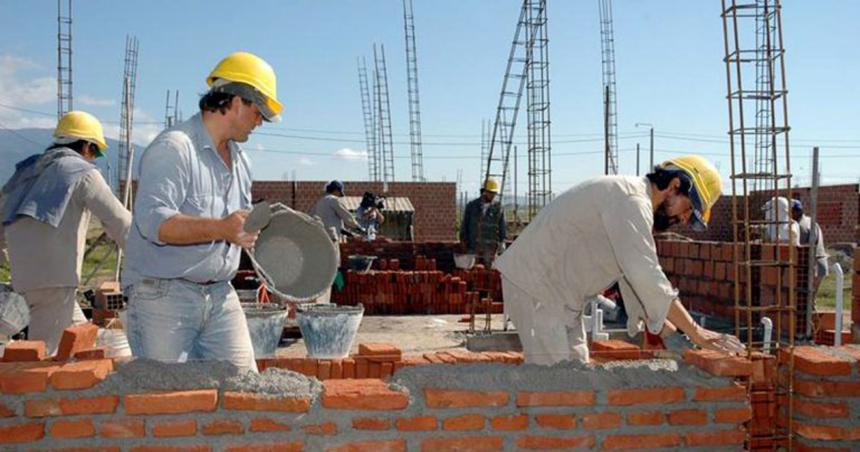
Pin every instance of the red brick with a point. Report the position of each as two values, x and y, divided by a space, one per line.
560 398
512 422
733 392
92 353
172 402
614 349
720 438
688 417
18 378
812 361
462 443
379 349
337 368
827 388
75 339
464 422
223 427
419 423
645 418
77 428
645 396
24 351
369 423
262 424
362 394
324 369
348 368
123 428
5 411
266 447
175 428
556 421
22 433
89 405
601 420
820 409
819 432
719 364
732 415
445 398
247 401
326 429
642 441
392 445
550 442
81 374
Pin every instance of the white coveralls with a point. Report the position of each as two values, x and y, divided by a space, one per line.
587 238
46 261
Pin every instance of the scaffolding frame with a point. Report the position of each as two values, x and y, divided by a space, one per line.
754 50
384 141
415 148
64 58
126 120
528 64
367 110
172 115
607 53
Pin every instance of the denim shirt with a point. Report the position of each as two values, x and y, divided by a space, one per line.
182 173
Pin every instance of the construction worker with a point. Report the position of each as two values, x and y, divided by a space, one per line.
46 210
483 230
816 240
333 214
599 233
193 196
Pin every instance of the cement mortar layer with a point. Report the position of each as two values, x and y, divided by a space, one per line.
560 377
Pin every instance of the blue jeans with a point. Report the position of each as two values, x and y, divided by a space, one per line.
177 320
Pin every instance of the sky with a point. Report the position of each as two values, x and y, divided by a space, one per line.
668 62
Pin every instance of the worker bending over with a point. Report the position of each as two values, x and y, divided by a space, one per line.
333 213
593 235
46 211
193 196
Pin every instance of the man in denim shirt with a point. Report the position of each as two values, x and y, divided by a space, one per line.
193 196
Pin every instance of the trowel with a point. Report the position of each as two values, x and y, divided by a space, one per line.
259 217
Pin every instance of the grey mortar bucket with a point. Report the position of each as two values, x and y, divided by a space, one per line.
295 256
265 325
328 329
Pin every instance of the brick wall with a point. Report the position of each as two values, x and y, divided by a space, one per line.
827 397
838 214
434 202
484 407
704 274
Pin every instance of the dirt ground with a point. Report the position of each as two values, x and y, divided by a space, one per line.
413 334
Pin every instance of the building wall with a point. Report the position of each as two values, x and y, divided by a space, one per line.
434 202
838 214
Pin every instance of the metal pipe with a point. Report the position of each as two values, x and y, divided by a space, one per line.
813 239
840 282
768 332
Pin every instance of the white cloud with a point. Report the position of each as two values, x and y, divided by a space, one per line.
94 101
350 154
23 91
304 161
143 131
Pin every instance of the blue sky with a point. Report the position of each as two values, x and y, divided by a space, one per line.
668 60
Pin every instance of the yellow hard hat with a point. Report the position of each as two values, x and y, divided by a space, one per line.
491 185
247 68
705 185
81 125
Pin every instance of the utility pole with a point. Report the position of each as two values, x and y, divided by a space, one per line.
651 135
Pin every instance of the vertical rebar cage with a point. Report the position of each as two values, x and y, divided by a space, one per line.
765 254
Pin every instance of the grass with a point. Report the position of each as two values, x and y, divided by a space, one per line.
826 297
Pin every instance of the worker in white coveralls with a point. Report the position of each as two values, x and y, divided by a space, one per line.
599 233
47 205
193 196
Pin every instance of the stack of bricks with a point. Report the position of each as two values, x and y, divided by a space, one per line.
381 360
704 274
826 405
109 301
400 292
432 408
